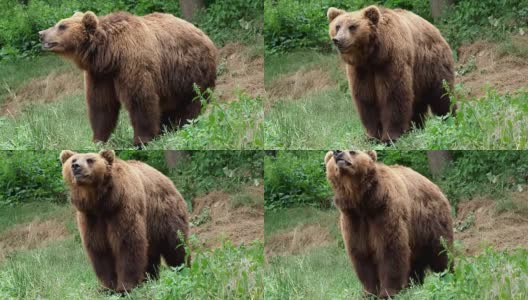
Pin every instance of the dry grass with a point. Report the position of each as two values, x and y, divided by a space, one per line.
31 235
299 84
300 239
50 88
493 67
504 231
241 224
240 70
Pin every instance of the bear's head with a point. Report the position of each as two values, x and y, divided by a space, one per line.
68 35
349 163
351 31
86 168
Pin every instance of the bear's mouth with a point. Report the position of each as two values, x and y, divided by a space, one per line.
48 46
341 162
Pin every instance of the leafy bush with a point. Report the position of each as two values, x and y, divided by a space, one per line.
205 171
227 272
31 176
292 24
470 20
232 20
474 173
238 20
295 178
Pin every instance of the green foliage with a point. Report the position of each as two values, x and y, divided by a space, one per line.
293 24
416 160
477 173
227 272
470 20
205 171
494 121
295 178
30 176
233 20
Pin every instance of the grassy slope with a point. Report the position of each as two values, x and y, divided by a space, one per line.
61 270
327 118
491 275
64 123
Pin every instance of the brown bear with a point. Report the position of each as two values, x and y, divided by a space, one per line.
393 220
147 64
396 63
129 215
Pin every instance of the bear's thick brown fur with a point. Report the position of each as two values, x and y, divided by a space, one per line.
129 215
393 220
147 64
396 63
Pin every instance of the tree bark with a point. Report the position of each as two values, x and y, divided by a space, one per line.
173 158
190 7
438 160
438 7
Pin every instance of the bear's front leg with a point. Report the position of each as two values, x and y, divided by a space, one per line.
364 94
142 102
394 88
128 239
393 268
103 106
93 235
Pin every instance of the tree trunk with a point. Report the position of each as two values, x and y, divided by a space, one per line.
438 160
190 7
173 158
438 7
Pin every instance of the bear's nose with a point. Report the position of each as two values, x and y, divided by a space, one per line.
337 153
336 42
76 166
41 34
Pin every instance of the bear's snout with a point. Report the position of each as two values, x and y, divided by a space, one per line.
76 168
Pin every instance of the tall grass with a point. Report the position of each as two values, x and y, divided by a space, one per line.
64 124
328 119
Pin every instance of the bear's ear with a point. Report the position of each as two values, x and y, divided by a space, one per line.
328 156
108 155
65 154
372 154
90 22
333 12
373 14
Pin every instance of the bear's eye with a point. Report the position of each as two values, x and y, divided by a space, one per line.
74 161
90 161
352 27
62 27
352 152
338 27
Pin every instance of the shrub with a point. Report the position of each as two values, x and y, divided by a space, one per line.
31 176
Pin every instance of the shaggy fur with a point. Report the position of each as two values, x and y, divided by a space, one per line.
392 220
129 215
147 64
396 62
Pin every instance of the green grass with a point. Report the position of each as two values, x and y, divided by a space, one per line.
64 124
327 118
326 272
61 269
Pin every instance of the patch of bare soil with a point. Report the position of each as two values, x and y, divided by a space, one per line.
299 84
240 70
484 64
52 87
503 231
217 218
31 235
298 240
